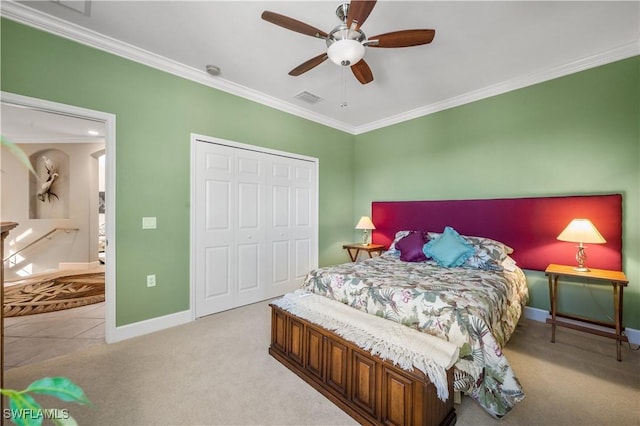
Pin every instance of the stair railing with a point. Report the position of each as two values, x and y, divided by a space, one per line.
67 230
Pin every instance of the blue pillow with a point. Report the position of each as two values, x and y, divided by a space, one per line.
450 249
411 247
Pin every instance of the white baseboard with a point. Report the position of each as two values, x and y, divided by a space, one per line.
149 326
541 315
536 314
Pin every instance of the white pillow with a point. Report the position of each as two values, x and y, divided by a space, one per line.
509 264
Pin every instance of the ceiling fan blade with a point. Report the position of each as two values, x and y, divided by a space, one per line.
404 38
359 11
306 66
292 24
362 72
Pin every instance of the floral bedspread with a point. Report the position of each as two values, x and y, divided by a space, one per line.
475 309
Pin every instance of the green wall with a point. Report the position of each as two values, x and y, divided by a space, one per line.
156 113
579 134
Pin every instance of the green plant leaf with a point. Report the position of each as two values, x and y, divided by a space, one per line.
24 410
15 149
60 387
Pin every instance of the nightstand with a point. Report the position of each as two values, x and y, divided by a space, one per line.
355 249
599 276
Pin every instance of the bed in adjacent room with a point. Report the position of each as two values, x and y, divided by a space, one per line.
453 272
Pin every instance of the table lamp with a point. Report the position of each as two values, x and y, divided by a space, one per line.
366 225
581 231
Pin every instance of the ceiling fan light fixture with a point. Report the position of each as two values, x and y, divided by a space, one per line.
346 52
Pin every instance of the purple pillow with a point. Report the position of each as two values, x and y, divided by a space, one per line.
411 247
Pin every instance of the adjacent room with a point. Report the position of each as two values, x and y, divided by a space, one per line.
54 267
319 212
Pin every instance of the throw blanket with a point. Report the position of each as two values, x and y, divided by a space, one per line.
402 345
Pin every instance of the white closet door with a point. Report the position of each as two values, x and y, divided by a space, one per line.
250 233
254 231
214 228
230 236
291 232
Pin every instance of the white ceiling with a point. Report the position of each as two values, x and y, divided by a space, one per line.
480 48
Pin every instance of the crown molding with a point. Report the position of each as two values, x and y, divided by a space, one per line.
31 17
42 21
623 52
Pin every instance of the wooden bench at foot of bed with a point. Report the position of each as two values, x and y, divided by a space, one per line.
369 389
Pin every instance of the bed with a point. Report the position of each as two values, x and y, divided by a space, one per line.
474 304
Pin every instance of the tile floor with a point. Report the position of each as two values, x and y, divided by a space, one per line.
31 339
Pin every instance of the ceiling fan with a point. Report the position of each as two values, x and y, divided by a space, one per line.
346 43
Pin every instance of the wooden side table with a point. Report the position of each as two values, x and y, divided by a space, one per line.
616 278
355 249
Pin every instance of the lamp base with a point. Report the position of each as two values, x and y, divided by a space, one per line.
581 257
365 237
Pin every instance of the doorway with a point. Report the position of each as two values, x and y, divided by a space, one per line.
100 157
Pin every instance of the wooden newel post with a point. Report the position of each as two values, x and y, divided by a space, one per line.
5 228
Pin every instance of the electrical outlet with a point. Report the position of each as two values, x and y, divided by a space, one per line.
151 280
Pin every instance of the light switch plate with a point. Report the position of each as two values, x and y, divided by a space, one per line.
148 223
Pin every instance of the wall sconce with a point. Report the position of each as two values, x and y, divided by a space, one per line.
581 231
366 225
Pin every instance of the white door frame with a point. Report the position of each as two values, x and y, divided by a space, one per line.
195 138
109 121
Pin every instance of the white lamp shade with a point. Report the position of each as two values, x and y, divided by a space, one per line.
346 52
365 223
581 231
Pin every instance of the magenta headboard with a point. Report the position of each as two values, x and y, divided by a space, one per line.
529 225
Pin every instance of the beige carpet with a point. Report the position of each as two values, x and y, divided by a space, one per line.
217 371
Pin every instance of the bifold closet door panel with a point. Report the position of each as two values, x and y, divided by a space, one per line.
291 234
251 249
230 232
214 228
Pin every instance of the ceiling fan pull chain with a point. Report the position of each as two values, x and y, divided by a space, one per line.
344 103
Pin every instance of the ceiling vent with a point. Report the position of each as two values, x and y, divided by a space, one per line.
308 97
